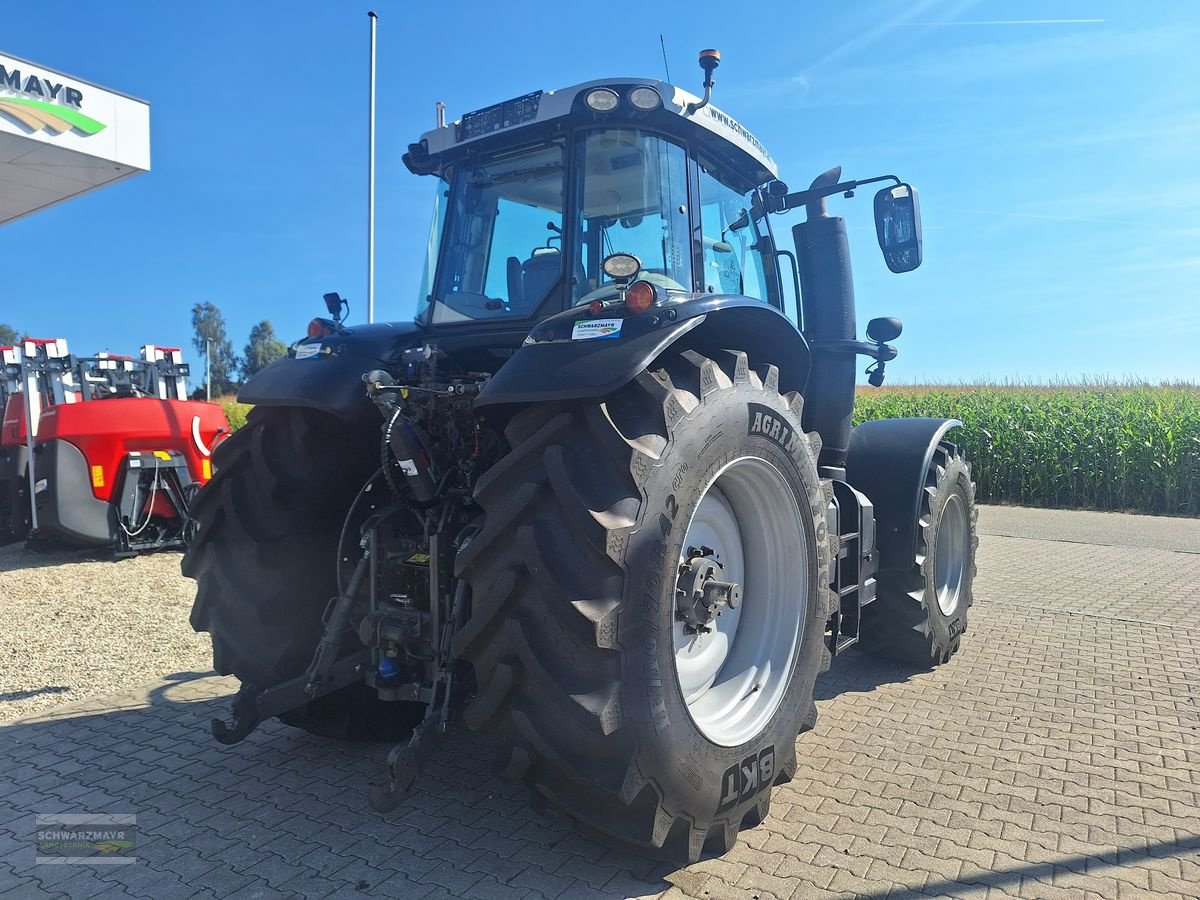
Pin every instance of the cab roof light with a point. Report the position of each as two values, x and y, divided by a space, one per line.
645 98
602 100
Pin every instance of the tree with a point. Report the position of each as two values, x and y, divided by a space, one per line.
264 348
8 335
209 326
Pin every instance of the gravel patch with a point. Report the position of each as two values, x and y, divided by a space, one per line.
77 625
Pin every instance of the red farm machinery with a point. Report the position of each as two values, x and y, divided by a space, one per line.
109 448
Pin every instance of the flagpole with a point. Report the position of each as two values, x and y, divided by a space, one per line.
371 182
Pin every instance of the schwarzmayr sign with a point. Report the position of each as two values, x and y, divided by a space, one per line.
41 103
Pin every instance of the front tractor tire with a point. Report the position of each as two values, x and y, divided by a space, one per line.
920 614
264 556
661 722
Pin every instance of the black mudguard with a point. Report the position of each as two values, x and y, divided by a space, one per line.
326 374
887 461
551 366
67 508
332 384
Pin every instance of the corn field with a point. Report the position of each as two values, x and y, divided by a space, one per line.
1128 448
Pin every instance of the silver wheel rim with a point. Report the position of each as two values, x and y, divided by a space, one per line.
734 677
950 562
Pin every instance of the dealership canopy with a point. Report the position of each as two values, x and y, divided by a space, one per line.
61 137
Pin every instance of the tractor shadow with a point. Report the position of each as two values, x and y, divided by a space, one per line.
285 806
855 672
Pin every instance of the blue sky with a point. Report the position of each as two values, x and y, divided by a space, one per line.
1056 160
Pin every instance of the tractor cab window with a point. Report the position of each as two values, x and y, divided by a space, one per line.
732 261
633 199
501 241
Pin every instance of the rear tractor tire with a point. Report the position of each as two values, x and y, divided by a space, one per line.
920 614
264 555
637 712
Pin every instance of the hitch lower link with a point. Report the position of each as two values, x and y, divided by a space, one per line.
700 594
325 674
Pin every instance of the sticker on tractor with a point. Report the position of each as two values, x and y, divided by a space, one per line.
305 351
591 329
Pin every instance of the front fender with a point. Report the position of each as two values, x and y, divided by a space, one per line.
887 460
553 366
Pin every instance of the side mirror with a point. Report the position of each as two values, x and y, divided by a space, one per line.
898 225
884 329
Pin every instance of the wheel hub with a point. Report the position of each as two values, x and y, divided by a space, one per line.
700 594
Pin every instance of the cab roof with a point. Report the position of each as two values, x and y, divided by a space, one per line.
545 106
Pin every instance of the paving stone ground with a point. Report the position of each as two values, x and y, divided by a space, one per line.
1057 756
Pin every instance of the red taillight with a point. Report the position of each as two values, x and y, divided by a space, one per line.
595 307
640 297
319 328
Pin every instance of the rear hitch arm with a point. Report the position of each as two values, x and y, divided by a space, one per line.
325 674
252 706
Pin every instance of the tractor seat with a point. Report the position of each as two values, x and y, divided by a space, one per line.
529 282
539 273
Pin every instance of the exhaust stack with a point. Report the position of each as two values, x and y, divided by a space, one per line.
827 296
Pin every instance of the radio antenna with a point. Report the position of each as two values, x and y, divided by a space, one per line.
663 44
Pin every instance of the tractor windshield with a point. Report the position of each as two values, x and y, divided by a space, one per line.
503 245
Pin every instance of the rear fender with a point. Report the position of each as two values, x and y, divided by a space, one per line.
887 460
552 365
326 374
333 385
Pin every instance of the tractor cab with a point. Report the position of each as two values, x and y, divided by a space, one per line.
535 193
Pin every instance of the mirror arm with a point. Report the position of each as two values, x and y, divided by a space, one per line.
880 352
801 198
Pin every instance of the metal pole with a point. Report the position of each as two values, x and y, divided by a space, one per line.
32 396
207 371
371 182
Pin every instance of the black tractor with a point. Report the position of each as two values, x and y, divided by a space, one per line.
602 498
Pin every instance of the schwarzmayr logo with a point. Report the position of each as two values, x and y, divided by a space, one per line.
44 104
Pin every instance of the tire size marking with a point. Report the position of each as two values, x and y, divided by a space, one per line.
766 422
748 778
